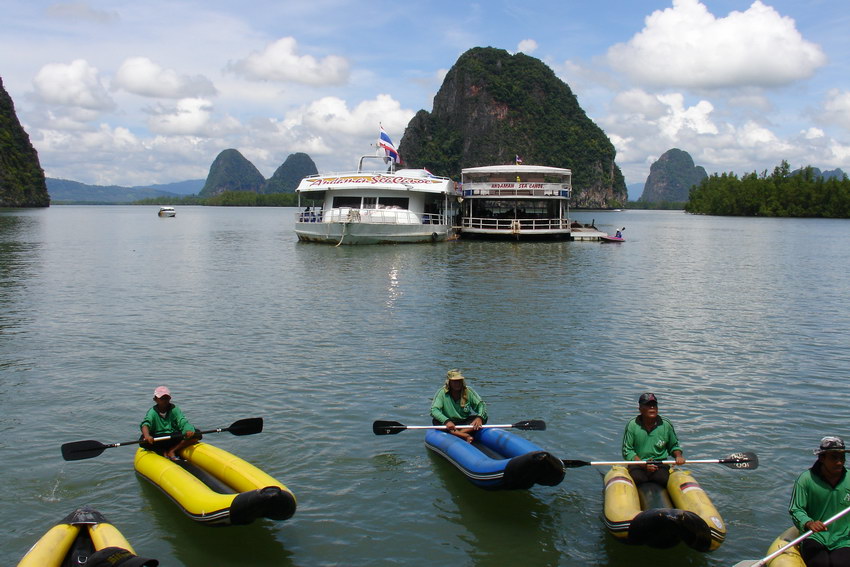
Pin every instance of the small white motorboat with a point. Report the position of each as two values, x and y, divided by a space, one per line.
167 212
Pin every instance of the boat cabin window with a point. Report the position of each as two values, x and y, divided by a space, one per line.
352 202
394 202
370 202
515 209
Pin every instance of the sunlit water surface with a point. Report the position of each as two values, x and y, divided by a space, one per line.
740 326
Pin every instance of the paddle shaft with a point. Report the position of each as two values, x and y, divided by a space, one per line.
79 450
789 545
456 426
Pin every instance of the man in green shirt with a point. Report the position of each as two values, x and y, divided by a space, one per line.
167 419
819 493
455 403
650 437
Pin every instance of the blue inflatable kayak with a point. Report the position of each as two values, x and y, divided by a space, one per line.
497 459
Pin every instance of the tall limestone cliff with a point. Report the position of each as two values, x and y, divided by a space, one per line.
231 171
22 181
287 177
671 178
494 107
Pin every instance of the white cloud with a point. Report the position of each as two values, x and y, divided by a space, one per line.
332 115
189 116
836 108
81 12
279 61
527 46
686 46
76 84
141 76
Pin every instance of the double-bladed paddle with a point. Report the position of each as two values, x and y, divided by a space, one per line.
394 427
733 461
79 450
764 560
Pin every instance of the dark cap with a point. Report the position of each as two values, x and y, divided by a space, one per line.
647 399
118 557
830 444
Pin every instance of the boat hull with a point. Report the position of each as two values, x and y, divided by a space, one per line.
498 460
215 487
370 233
650 515
789 558
74 539
522 235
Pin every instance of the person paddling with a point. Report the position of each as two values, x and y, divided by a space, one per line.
164 419
650 437
819 493
455 404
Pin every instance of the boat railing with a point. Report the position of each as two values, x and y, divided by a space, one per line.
515 225
377 216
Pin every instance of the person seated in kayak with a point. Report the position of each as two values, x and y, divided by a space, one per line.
455 404
650 437
618 234
167 419
818 494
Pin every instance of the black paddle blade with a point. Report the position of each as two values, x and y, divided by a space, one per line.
387 427
530 425
741 461
80 450
247 426
572 464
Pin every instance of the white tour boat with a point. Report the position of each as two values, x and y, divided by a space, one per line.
519 202
167 212
376 207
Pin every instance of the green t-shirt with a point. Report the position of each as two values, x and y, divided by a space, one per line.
172 422
814 499
444 408
655 445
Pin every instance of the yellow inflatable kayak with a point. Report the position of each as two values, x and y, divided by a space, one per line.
790 557
84 537
651 515
213 486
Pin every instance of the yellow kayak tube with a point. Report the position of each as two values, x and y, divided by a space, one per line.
651 515
790 557
82 537
215 487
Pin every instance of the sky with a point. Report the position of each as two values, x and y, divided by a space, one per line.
120 92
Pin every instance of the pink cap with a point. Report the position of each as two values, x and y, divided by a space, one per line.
161 391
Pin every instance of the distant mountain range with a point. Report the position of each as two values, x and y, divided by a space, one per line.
66 191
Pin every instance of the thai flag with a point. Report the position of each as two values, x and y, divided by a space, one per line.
389 148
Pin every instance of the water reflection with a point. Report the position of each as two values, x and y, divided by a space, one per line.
197 545
497 527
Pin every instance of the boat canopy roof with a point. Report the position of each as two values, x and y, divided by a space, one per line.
516 169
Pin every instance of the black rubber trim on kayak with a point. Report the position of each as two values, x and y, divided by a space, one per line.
665 527
270 502
536 467
84 515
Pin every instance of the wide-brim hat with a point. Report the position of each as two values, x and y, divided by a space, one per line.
454 374
829 444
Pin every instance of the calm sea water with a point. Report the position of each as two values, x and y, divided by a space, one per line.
739 326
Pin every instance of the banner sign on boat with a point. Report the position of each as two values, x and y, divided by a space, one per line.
370 179
516 185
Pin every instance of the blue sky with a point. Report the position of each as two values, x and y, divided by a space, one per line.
129 93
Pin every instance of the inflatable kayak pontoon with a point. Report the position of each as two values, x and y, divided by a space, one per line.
497 459
650 515
215 487
76 540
